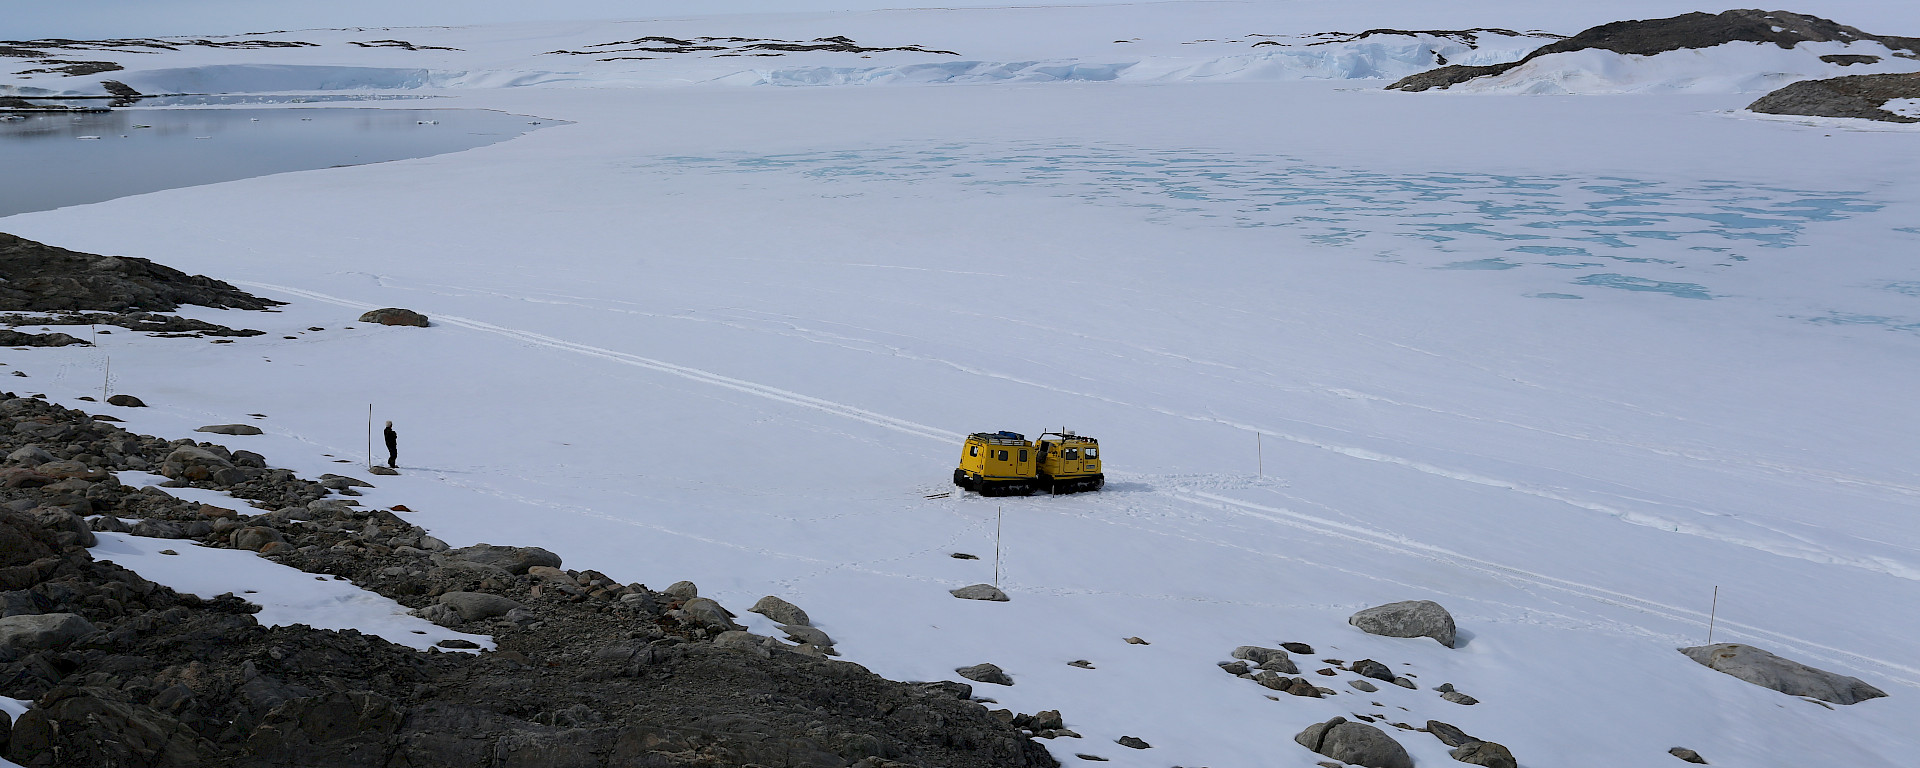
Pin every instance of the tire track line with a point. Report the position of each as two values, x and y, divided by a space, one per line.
694 374
1403 545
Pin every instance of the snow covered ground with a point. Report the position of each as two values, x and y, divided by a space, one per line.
1563 364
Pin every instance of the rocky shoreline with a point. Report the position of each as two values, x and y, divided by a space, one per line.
587 672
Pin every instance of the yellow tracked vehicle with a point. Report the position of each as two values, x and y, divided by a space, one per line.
1007 464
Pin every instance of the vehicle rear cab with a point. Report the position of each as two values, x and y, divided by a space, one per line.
996 464
1068 462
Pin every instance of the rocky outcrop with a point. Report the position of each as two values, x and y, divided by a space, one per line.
597 674
1784 675
1690 30
1411 618
36 277
1858 96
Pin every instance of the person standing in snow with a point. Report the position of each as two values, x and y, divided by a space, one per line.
393 446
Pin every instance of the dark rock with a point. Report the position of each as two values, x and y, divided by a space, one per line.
709 614
98 726
230 429
1485 753
780 611
1373 669
1300 648
1687 755
154 528
42 631
1784 675
1267 658
41 278
1448 734
1459 698
985 673
514 560
1363 685
475 606
980 592
395 316
1411 618
1132 743
255 538
1236 667
1691 30
1355 743
380 470
1856 96
126 401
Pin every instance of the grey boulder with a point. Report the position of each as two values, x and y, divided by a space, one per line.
42 631
781 611
1267 658
473 606
254 537
980 592
985 673
29 456
1411 618
395 316
230 429
1355 743
514 560
1784 675
707 613
1487 753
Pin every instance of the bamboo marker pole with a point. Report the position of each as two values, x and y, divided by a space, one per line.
369 437
996 547
1712 613
1260 456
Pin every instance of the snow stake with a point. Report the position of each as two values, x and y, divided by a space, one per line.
996 546
1712 613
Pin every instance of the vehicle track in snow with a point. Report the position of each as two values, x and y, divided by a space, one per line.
1390 542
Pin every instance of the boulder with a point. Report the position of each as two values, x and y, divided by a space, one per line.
1363 685
153 528
1355 743
1133 742
801 633
980 592
395 316
293 732
514 560
474 606
189 462
682 590
126 401
709 614
985 673
42 631
1449 734
1267 658
1373 669
780 611
1784 675
29 456
1300 648
108 524
230 429
1485 753
69 469
255 538
97 726
1687 755
380 470
1411 618
67 527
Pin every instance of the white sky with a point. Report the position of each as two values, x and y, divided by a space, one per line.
93 19
130 18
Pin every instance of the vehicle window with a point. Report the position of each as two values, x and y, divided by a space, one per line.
973 450
1070 454
1093 453
1002 456
1023 454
